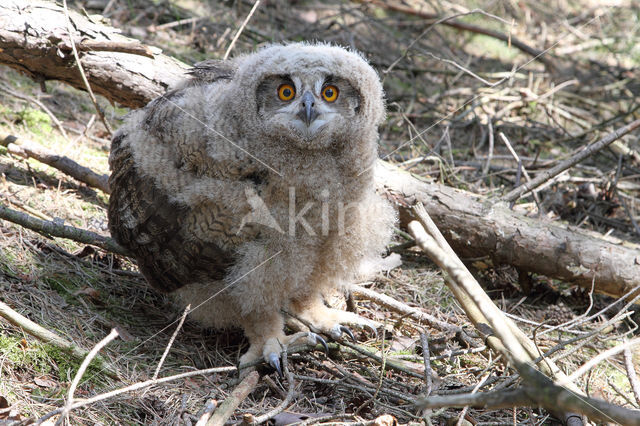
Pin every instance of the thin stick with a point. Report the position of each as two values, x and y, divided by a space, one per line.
599 358
83 367
173 337
485 169
29 149
244 24
290 393
54 229
463 413
42 106
45 335
131 47
514 154
573 160
403 309
225 410
631 373
82 74
206 412
507 38
136 386
424 341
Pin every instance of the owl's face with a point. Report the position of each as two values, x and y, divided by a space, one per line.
310 109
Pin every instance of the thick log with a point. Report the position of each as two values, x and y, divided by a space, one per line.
477 227
474 226
35 41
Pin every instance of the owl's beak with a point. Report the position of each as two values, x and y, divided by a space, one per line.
308 112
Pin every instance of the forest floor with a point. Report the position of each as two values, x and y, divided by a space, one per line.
453 98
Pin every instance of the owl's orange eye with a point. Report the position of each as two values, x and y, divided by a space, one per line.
286 92
330 93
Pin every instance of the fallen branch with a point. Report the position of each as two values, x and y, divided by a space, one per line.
47 336
54 229
538 389
29 149
206 412
239 394
29 39
631 374
476 227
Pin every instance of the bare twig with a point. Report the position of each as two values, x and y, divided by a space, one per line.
82 74
601 357
45 335
55 229
539 389
631 373
244 24
29 149
173 337
42 106
517 158
290 393
225 410
83 367
135 387
404 309
507 38
89 45
573 160
206 412
424 341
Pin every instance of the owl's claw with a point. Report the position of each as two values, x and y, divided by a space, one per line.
346 330
274 361
318 339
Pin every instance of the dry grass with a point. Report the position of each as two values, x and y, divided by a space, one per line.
438 126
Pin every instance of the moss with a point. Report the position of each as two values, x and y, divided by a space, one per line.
44 359
35 120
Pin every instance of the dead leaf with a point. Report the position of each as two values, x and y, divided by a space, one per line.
402 344
385 420
92 293
45 382
287 418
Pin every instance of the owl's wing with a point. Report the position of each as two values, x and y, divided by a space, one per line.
159 231
212 70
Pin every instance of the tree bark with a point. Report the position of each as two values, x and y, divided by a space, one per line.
34 40
30 37
477 227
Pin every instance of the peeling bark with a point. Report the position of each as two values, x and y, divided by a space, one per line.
34 40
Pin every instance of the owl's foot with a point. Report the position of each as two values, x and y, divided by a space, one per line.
333 322
273 347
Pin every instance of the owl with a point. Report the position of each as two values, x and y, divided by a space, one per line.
247 191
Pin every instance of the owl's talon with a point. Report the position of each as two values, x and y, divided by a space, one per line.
319 339
274 361
346 330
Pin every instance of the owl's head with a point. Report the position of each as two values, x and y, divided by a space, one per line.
312 96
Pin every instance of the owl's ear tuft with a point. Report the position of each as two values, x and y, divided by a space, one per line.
212 70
